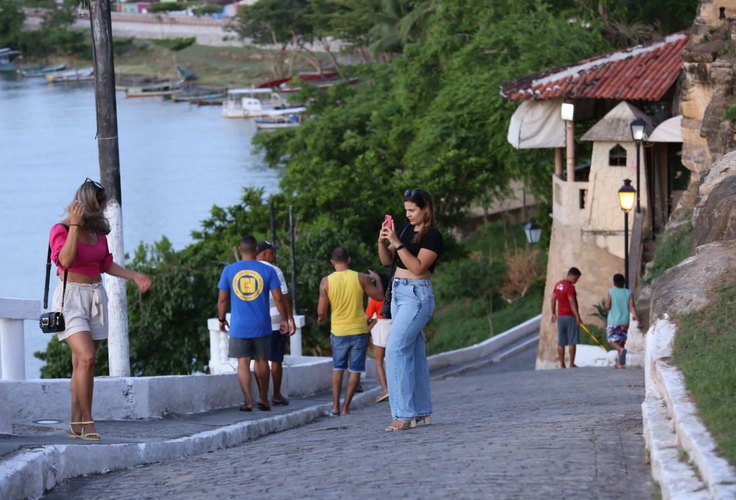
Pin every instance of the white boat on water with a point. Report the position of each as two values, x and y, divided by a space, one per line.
280 118
71 75
251 102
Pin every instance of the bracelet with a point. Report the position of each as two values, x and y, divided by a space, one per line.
399 247
222 320
75 224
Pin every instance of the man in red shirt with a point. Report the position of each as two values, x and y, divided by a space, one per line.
565 305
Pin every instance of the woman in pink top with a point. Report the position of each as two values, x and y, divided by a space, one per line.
79 247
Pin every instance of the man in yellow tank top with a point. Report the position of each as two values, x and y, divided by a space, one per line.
343 292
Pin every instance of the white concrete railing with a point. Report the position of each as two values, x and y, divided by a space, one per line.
12 342
221 363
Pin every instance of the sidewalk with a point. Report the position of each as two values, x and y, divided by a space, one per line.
504 431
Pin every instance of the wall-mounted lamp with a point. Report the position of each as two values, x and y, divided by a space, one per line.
533 231
567 111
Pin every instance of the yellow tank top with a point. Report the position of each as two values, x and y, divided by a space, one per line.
346 302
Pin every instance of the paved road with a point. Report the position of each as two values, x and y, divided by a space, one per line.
504 431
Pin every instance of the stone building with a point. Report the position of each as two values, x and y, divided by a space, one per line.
603 95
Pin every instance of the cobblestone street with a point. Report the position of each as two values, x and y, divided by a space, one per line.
504 431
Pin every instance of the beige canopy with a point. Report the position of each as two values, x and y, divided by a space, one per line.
537 124
667 131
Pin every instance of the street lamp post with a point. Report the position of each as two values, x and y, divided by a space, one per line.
533 231
637 133
626 196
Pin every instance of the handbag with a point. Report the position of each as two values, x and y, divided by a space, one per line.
386 307
52 322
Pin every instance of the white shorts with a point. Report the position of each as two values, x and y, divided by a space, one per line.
85 309
380 331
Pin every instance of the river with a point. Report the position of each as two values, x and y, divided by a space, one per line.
176 162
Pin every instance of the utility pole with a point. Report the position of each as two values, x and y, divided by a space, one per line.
109 158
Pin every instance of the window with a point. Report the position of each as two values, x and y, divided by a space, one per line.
617 156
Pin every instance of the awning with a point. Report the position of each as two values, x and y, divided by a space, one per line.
667 131
537 124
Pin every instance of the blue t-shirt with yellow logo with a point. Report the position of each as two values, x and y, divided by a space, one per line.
249 283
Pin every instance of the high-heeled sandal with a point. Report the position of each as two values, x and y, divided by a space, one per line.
401 425
425 420
85 436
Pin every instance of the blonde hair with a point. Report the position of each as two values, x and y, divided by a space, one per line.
93 198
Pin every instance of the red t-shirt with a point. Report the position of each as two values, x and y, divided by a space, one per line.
374 307
564 291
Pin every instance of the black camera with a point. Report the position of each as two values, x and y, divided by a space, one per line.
52 322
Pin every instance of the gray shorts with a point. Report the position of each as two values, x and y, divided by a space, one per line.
259 347
85 309
568 331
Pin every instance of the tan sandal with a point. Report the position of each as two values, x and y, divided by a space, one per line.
401 425
85 436
425 420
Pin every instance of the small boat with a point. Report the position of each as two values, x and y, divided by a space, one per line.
192 93
251 102
280 118
7 59
40 71
154 90
71 75
122 82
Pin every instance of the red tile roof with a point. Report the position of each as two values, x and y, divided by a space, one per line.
644 72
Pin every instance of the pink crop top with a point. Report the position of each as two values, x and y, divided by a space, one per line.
91 260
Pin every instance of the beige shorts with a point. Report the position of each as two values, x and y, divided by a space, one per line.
85 309
380 331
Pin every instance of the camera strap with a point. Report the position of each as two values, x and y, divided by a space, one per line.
48 278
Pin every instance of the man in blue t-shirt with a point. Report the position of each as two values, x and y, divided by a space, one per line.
245 285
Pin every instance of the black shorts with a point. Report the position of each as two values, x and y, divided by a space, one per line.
258 347
278 347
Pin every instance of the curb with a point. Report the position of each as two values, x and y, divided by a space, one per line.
30 473
683 452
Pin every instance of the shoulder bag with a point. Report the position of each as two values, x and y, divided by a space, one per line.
52 322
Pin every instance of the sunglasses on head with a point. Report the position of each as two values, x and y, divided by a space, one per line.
411 193
96 184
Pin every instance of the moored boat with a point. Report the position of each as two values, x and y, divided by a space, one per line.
251 102
71 75
40 71
8 57
280 118
154 90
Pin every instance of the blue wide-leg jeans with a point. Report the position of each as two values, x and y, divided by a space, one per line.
407 371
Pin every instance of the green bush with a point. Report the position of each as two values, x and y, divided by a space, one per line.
674 248
175 44
166 7
207 9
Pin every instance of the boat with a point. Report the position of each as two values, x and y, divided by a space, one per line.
251 102
280 118
166 88
71 75
8 57
122 82
195 93
40 71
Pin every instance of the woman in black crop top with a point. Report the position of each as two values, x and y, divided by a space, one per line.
417 245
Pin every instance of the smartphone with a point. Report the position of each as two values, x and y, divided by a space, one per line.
388 220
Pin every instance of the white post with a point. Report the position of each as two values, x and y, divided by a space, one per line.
12 343
117 341
13 359
295 341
